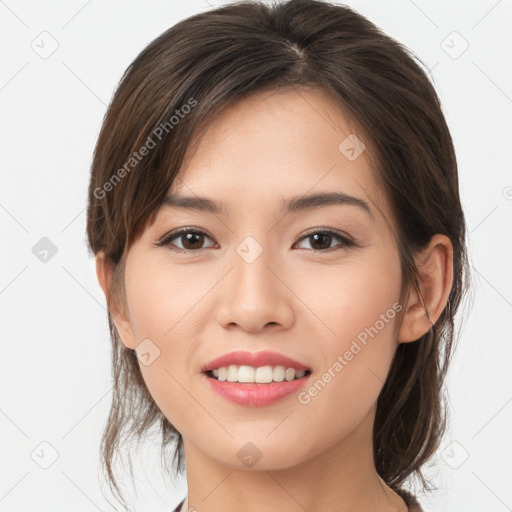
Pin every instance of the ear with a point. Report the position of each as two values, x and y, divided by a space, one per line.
435 267
121 322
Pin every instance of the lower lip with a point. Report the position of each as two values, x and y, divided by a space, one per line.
255 395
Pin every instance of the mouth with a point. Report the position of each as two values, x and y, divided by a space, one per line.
260 386
251 375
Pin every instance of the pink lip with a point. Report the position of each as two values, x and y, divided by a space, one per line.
254 395
254 359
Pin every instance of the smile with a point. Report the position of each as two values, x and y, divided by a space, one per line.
261 375
255 394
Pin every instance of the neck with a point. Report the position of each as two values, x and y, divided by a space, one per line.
342 478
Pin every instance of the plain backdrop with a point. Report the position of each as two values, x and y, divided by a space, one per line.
55 365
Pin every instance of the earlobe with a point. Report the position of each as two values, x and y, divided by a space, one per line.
435 267
122 324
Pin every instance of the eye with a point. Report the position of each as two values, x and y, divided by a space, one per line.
322 240
192 240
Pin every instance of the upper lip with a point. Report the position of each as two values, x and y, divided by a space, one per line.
255 359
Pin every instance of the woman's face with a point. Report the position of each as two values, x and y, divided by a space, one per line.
258 279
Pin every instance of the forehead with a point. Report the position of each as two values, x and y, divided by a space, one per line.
275 145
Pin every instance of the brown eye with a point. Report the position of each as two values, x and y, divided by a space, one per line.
321 240
190 240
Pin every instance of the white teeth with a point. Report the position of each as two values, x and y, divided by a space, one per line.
260 375
263 374
245 374
278 374
289 374
232 373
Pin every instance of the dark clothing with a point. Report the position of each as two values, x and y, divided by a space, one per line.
410 500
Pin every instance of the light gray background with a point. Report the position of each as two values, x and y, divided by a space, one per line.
55 370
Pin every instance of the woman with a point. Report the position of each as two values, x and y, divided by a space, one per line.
275 215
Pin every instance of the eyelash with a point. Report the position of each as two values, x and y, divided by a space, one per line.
166 241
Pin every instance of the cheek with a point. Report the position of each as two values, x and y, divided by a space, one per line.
350 297
360 307
162 298
165 307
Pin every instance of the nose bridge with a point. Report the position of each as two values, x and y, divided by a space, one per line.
253 296
252 273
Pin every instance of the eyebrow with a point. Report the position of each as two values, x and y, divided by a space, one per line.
294 204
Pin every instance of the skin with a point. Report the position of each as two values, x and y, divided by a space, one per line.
308 305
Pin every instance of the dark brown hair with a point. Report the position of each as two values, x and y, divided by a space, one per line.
209 61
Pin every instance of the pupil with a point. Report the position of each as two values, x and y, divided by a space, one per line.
322 238
190 238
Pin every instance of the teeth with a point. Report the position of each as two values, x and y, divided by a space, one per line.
264 374
278 374
232 375
244 374
261 375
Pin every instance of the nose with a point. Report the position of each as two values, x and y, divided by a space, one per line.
255 295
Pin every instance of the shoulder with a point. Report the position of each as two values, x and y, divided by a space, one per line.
410 500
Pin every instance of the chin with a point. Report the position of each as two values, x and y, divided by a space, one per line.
262 455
